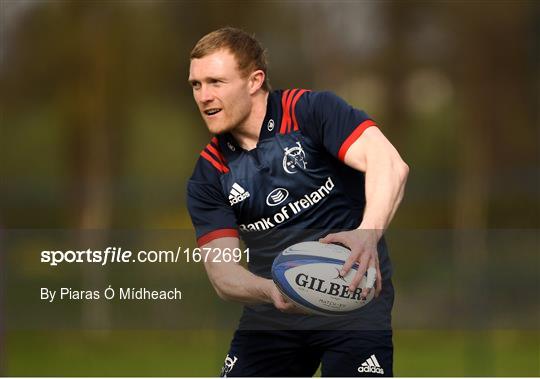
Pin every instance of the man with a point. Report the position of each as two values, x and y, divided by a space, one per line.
271 148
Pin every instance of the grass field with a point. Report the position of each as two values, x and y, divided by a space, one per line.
201 353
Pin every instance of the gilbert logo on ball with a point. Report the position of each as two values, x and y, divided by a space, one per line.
308 274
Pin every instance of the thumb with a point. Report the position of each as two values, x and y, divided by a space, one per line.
328 239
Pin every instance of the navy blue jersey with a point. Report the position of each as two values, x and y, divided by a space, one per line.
292 187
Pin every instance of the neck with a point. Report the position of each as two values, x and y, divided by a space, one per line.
247 133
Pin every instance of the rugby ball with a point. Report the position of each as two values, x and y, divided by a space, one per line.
308 274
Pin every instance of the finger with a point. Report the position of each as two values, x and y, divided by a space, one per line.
288 306
347 265
279 303
370 278
350 262
329 238
378 282
363 264
285 306
279 300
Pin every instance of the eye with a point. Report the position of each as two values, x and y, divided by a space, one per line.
195 85
215 82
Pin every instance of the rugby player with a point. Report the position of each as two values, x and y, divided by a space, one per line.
283 167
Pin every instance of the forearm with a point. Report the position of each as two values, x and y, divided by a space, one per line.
385 179
232 281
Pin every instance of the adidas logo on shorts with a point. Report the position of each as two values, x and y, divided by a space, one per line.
371 365
237 194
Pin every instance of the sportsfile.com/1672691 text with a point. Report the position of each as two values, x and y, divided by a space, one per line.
119 255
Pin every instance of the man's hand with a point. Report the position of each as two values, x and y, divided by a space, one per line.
282 304
363 246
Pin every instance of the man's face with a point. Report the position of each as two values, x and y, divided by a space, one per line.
220 91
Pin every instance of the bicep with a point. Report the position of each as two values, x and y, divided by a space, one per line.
371 147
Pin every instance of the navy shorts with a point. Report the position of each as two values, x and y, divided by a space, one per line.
299 352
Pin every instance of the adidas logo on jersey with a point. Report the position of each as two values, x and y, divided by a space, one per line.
371 365
237 194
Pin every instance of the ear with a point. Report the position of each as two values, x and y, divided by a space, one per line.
255 81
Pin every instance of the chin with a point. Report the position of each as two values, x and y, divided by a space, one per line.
218 129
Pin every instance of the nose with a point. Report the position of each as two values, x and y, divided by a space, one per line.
205 94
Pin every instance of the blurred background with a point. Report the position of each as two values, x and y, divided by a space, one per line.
99 131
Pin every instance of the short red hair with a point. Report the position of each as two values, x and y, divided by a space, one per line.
249 53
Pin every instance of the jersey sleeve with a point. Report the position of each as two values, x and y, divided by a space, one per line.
211 214
334 123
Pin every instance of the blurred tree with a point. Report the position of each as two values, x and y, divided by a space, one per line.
397 64
491 71
90 141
